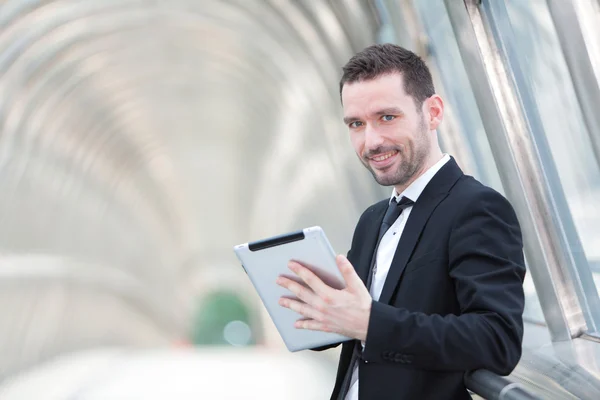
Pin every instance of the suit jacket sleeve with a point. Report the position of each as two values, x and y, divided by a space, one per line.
487 266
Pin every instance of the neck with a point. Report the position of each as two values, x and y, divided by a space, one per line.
434 157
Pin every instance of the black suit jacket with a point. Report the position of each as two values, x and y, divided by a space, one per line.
453 298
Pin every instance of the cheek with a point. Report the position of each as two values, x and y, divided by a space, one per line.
393 130
406 131
358 141
397 133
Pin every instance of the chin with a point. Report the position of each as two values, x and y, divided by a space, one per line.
390 178
384 179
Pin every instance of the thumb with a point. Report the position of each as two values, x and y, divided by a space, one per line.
351 278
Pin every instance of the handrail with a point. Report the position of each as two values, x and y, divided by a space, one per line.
491 386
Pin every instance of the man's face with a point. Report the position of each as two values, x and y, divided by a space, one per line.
390 135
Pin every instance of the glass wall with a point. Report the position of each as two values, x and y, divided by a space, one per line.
461 112
527 35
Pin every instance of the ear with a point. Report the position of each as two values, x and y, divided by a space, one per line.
433 109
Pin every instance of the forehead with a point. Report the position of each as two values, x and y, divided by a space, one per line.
369 96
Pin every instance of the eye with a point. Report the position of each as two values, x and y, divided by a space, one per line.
355 124
388 118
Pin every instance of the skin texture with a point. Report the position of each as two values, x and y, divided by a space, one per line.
396 140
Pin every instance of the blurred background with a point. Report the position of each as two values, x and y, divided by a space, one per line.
140 140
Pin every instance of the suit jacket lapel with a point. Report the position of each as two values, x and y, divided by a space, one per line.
370 239
436 190
417 219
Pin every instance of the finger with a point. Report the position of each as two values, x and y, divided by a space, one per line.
313 325
302 292
353 281
312 280
301 308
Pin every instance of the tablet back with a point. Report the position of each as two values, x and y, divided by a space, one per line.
267 259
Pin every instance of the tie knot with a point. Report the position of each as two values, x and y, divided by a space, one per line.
393 212
404 202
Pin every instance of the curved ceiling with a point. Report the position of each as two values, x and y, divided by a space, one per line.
149 137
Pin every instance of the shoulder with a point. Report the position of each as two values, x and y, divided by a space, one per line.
374 209
470 197
369 214
469 190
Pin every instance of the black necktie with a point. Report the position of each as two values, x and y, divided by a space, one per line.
391 215
393 212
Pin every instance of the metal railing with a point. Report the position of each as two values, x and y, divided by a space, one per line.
491 386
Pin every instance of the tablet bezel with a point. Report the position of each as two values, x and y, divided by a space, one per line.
266 259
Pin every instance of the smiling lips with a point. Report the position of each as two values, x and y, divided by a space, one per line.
383 160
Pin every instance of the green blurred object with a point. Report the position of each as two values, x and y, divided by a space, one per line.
223 319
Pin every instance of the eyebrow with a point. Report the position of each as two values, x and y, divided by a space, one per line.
390 111
347 120
383 111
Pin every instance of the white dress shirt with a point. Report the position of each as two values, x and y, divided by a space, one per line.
389 243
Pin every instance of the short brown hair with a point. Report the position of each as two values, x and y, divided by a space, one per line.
383 59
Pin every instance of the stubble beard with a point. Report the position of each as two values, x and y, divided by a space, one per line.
412 158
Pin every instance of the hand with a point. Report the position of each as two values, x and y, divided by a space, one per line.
326 309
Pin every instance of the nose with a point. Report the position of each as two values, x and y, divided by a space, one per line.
373 138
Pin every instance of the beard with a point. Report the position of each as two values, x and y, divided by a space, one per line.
412 157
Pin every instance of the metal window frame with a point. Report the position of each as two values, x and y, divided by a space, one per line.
576 55
521 170
575 262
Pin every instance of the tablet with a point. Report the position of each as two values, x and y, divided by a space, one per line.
267 259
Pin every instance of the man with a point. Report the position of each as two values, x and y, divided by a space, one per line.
441 292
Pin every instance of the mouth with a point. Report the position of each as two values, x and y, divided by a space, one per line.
384 160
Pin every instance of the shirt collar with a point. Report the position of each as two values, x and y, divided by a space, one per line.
414 190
